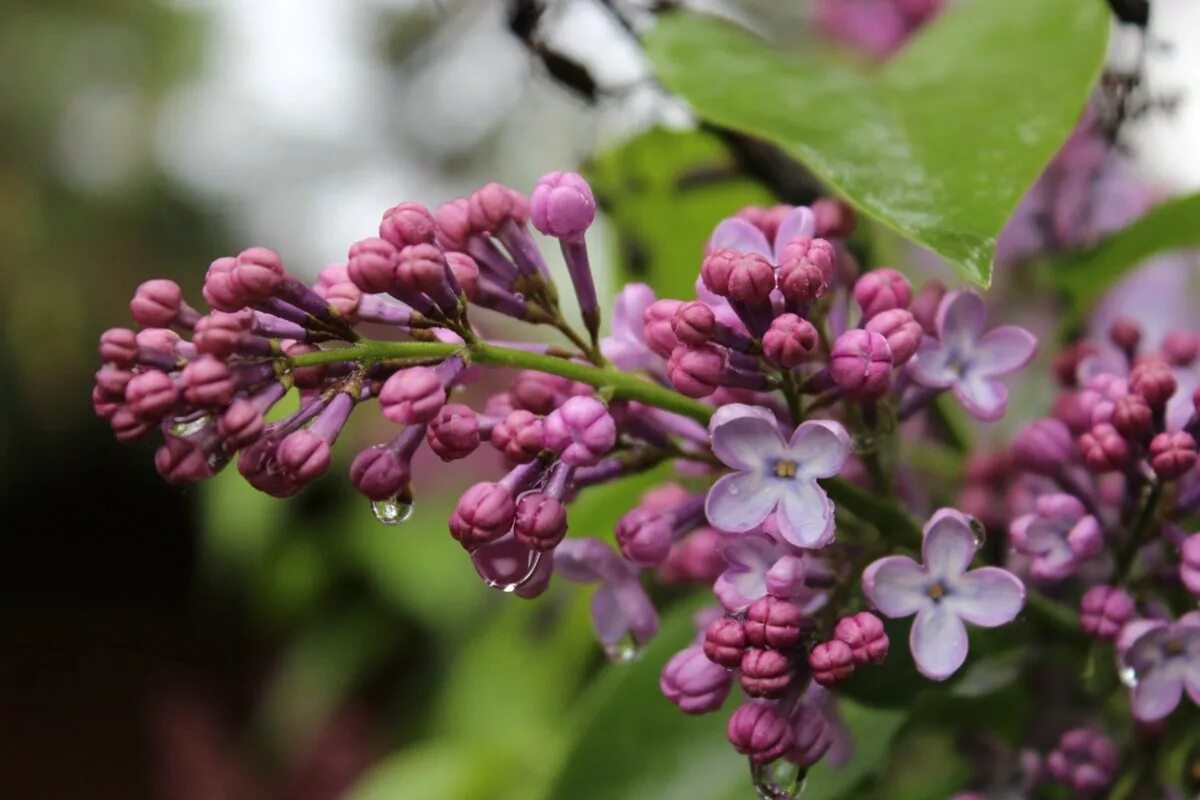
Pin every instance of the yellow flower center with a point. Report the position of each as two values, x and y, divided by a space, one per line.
785 469
936 591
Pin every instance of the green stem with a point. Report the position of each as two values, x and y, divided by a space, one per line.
1128 553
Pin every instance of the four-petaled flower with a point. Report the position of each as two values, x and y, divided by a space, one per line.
943 593
744 237
1059 533
964 358
760 564
1160 660
773 472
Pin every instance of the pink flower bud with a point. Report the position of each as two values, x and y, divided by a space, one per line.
696 558
1133 418
696 371
306 378
259 272
925 306
541 521
453 221
693 683
539 392
219 333
126 425
179 461
303 456
220 291
1085 760
835 219
831 662
789 341
861 363
801 282
1172 454
158 340
151 394
1189 564
1043 446
422 269
1180 348
759 732
658 320
694 323
490 206
412 396
372 265
156 303
562 205
816 252
725 642
1104 610
260 467
865 635
903 333
207 382
716 269
465 272
484 513
407 224
119 346
881 290
644 537
1126 334
1154 382
454 432
113 380
1104 449
811 737
582 430
765 673
520 436
774 622
751 280
379 473
105 406
345 298
241 424
765 219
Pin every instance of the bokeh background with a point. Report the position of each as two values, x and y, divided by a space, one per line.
203 643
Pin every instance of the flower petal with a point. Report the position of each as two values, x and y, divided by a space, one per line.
629 312
737 234
820 448
805 514
799 222
982 397
1002 350
988 596
896 585
949 544
738 502
1131 632
930 366
607 618
938 641
732 411
747 442
1157 694
960 320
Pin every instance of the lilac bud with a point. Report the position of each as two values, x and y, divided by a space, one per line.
260 468
562 205
831 662
1172 454
881 290
220 290
786 577
1104 450
864 633
725 642
422 269
207 382
1104 610
465 271
113 380
520 436
305 378
379 473
491 205
751 280
789 341
151 394
765 673
759 732
126 425
816 252
1043 446
453 222
259 273
696 558
903 333
696 371
582 430
106 406
1180 348
345 298
801 282
1133 418
658 320
219 333
303 456
925 306
1085 760
454 432
644 536
541 521
372 265
484 513
1126 334
693 683
811 736
1189 564
119 346
407 224
1154 382
835 219
694 323
538 392
774 622
716 269
156 303
179 461
241 424
861 363
412 396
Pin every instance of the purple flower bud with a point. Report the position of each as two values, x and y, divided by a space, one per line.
658 320
1043 446
1154 382
179 461
1189 564
207 383
831 662
241 424
789 341
259 466
925 306
835 219
539 392
379 472
644 536
454 432
903 333
725 642
465 271
1126 334
1104 450
582 430
126 425
1104 610
303 455
106 406
861 363
484 513
881 290
693 683
1085 760
811 735
759 732
453 223
817 252
694 323
219 333
716 269
1133 418
801 282
774 622
493 204
412 396
696 371
562 205
220 291
258 271
1172 454
422 269
696 558
407 224
751 280
765 673
372 265
119 346
1180 348
541 521
157 303
864 633
520 436
151 394
113 380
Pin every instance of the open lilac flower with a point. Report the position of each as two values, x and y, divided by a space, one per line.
772 472
964 358
745 237
943 593
759 565
1160 660
627 347
1059 534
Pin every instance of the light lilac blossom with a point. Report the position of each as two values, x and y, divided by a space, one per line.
759 564
1059 534
1160 660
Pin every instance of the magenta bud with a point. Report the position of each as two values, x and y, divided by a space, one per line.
421 268
151 394
716 269
538 392
582 430
372 265
1172 454
1104 449
1104 610
1189 564
811 737
520 436
303 456
453 222
454 432
1154 382
207 382
465 271
835 219
484 513
156 303
759 732
179 461
865 635
696 371
1133 418
119 346
658 320
219 333
816 252
407 224
774 622
345 298
1085 760
158 340
220 291
644 537
1126 334
259 272
925 306
903 333
801 282
562 205
725 642
861 363
260 467
412 396
831 662
694 323
1043 446
305 378
113 381
241 424
104 405
540 522
881 290
696 558
789 341
1180 348
491 205
126 425
379 473
765 673
751 280
693 683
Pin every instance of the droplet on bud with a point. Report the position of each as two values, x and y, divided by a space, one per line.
625 650
184 427
395 510
779 780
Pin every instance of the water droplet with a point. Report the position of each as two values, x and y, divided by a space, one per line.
623 651
395 510
535 558
734 491
1129 676
979 532
186 426
779 780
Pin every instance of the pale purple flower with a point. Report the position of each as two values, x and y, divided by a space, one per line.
943 593
738 234
620 607
1059 533
964 358
772 472
759 564
1160 660
627 347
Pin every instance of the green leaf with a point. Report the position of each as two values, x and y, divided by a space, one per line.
941 142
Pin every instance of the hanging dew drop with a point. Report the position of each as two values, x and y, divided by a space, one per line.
623 651
185 426
394 510
508 587
1129 676
779 780
979 532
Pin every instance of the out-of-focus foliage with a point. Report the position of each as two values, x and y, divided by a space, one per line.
924 144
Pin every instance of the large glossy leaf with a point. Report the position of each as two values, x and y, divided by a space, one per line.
941 142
